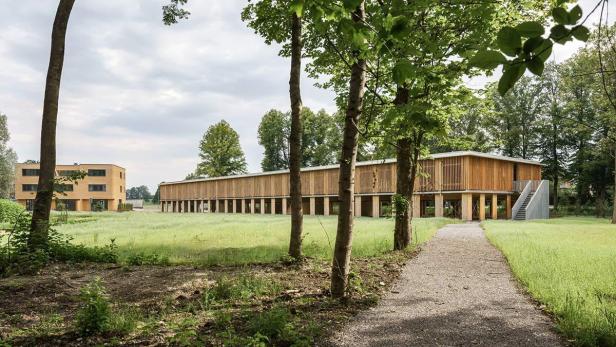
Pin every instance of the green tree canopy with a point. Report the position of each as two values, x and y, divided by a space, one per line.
220 152
7 160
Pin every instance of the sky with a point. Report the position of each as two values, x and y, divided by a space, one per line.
140 94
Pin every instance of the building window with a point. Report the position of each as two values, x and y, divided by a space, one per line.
61 188
97 188
97 172
66 173
120 174
29 205
29 187
97 205
120 189
30 172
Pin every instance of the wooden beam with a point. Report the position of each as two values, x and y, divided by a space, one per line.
508 207
312 206
273 205
438 205
482 206
494 208
357 207
326 206
376 206
416 206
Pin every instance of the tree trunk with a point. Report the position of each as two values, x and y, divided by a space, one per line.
556 166
344 235
295 139
614 198
402 228
39 228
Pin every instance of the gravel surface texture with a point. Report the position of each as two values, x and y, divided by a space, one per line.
458 291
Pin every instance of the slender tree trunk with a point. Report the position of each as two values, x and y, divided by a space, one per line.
614 198
402 228
39 229
295 139
344 235
556 166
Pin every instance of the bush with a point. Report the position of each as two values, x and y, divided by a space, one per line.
140 258
95 312
270 323
9 211
125 207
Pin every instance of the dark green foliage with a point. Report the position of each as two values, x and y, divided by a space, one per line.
220 152
141 192
94 313
270 323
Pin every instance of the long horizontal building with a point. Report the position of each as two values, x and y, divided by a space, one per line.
466 185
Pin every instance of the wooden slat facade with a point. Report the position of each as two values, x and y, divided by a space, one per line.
455 173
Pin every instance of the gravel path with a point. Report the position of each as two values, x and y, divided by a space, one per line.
458 291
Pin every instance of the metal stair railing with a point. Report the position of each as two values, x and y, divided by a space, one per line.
521 199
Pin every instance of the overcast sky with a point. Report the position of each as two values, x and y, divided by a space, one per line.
139 94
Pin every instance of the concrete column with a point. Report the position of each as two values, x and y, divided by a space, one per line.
243 205
508 207
226 205
438 205
326 206
416 206
284 206
273 205
376 211
482 206
494 208
194 204
262 206
357 206
312 206
234 205
252 206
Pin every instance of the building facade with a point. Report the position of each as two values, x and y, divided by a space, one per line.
102 189
465 185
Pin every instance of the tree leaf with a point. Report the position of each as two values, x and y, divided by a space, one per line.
530 29
509 41
560 34
575 14
510 76
402 71
536 66
297 6
351 4
560 15
488 59
581 33
531 44
544 50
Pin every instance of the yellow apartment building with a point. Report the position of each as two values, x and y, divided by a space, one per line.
104 187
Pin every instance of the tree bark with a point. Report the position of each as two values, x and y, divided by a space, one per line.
39 229
344 235
402 228
614 201
556 166
295 139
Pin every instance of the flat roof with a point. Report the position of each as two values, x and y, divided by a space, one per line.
365 163
80 164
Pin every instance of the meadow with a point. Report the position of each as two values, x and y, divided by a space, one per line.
569 265
208 239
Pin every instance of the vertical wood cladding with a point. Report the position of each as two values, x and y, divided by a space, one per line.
456 173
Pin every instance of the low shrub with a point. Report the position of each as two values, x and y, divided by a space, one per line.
9 211
270 323
95 312
244 287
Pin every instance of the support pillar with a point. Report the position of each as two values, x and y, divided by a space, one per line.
438 205
416 206
194 205
494 208
186 206
326 206
312 206
508 207
234 205
273 205
482 207
357 206
262 206
252 206
467 207
375 206
284 206
243 205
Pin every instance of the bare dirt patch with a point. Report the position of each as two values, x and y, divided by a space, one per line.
40 310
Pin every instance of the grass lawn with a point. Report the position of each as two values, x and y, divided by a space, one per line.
206 239
568 264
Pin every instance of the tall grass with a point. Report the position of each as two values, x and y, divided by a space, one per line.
206 239
569 264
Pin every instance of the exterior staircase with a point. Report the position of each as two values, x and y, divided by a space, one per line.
521 214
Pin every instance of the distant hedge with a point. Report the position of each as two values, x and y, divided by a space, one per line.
9 210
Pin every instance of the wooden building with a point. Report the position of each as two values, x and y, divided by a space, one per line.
466 185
